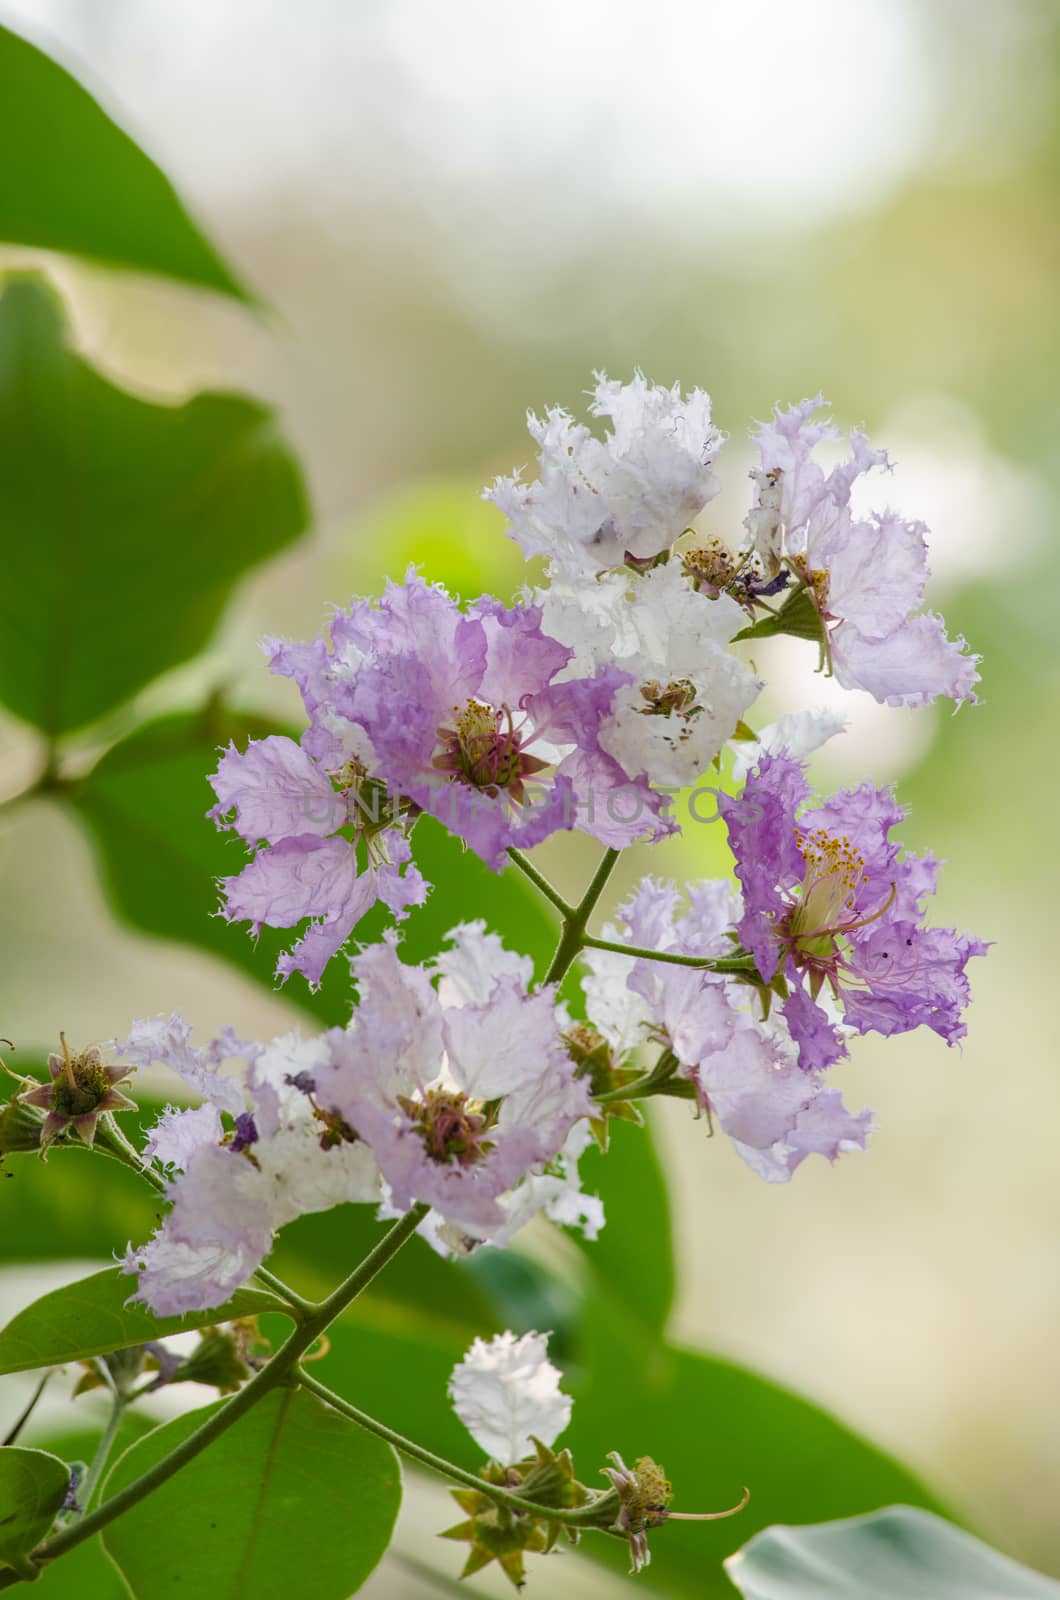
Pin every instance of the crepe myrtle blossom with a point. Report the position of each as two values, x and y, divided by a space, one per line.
743 1068
831 905
865 576
463 714
232 1181
506 1393
459 1103
289 808
597 503
686 691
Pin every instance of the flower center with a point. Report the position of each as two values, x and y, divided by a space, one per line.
482 747
709 568
834 869
678 697
451 1126
80 1088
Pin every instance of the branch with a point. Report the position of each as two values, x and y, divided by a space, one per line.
427 1458
304 1335
574 937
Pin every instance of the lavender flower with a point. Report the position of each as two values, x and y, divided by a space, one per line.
277 793
866 576
742 1067
462 714
459 1102
831 905
686 691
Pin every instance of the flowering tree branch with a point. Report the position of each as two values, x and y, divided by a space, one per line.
275 1372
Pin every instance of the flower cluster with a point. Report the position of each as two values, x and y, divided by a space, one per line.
451 1088
623 677
612 685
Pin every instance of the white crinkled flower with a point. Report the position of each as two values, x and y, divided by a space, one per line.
469 970
506 1393
229 1194
633 492
689 690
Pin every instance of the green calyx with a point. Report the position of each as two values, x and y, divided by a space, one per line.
502 1533
595 1061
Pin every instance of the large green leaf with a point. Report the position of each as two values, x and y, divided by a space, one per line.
897 1554
86 1573
124 524
33 1486
715 1427
293 1499
90 1317
632 1259
73 180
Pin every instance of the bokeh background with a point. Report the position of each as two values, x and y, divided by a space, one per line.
455 211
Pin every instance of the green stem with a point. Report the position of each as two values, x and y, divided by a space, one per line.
284 1291
573 937
277 1372
87 1488
427 1458
537 878
110 1141
637 952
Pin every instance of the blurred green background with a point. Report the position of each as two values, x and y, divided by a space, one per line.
454 212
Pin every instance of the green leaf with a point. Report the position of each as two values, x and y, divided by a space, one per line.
798 616
73 180
87 1572
715 1427
125 524
632 1259
90 1317
293 1499
33 1486
897 1554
